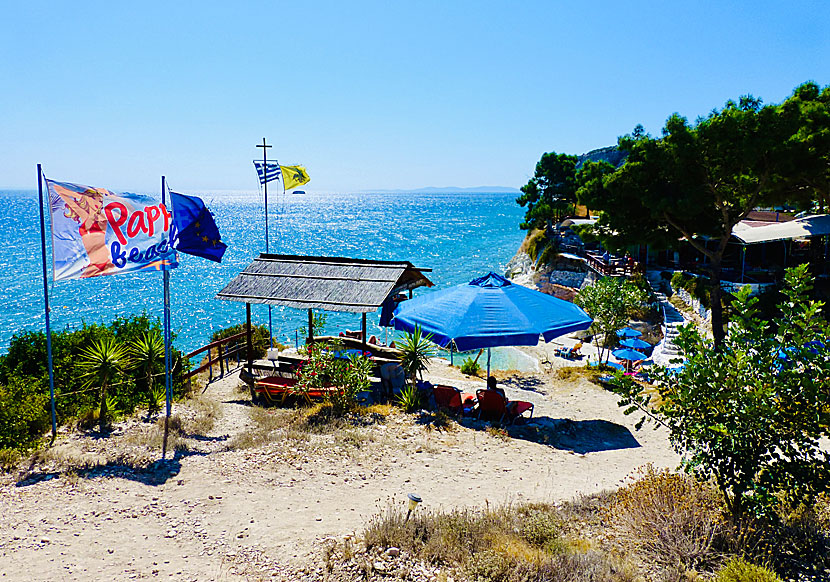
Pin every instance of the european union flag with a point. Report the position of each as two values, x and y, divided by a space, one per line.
196 231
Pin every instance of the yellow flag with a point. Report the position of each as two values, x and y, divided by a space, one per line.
294 176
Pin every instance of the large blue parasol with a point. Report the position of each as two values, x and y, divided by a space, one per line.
487 312
635 343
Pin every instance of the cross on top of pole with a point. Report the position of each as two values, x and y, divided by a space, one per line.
263 145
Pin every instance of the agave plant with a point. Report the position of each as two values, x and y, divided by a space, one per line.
416 351
156 399
409 399
147 353
100 363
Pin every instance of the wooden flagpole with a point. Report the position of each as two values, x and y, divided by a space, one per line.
46 303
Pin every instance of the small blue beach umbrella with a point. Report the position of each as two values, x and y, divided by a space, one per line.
487 312
628 354
635 343
628 332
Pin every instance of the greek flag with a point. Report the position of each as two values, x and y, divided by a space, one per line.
267 173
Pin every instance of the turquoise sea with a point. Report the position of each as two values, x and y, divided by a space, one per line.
459 236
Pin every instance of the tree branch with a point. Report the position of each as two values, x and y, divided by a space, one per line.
688 236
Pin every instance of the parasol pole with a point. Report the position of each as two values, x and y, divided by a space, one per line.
488 363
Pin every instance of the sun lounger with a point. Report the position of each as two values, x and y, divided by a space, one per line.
277 389
492 405
573 353
448 398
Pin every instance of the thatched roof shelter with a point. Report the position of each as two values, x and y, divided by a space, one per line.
330 283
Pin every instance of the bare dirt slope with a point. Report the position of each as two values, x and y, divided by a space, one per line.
214 513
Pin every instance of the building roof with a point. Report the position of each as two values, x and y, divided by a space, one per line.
769 216
330 283
808 226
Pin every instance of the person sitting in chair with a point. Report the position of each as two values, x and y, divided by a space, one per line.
492 385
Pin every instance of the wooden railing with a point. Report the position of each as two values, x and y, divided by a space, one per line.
613 267
223 356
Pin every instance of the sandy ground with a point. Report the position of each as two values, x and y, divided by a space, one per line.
219 514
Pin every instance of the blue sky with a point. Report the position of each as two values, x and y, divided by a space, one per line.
372 94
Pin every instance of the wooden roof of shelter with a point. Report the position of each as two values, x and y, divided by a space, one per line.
330 283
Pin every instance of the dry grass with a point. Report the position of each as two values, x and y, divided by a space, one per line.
319 421
574 373
672 519
497 432
9 460
531 243
510 544
264 424
205 412
381 410
438 421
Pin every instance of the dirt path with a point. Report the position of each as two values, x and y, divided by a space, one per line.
219 514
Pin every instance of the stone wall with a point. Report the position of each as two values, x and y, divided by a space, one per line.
573 279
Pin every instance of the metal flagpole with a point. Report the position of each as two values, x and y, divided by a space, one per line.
46 303
265 147
168 381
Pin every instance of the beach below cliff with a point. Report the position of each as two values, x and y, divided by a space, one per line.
234 504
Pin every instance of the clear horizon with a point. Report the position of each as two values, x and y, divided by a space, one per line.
368 96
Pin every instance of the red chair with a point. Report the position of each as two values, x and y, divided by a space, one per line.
448 398
492 405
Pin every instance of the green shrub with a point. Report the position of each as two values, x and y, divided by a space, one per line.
698 287
23 371
259 339
534 243
672 518
416 351
470 367
737 570
541 529
795 544
548 255
323 370
489 565
410 399
9 459
24 414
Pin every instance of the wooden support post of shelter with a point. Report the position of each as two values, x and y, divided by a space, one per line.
363 331
250 345
310 338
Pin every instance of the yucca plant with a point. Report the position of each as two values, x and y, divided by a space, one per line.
147 354
409 399
156 399
100 363
416 351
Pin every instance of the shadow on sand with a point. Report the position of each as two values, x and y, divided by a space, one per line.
526 383
158 473
578 436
